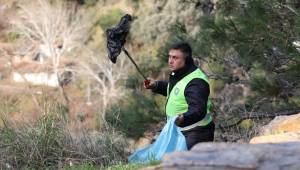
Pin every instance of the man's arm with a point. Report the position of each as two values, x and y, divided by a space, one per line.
196 94
160 87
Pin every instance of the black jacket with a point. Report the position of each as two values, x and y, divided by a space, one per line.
196 93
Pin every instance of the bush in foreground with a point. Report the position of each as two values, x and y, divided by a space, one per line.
47 144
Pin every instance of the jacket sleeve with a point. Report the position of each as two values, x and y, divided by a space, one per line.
160 88
196 94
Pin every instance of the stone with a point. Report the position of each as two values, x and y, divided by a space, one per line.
282 124
281 129
277 138
234 156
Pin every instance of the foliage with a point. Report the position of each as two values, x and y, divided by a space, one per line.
12 36
125 167
263 35
90 2
110 19
41 143
232 131
250 50
134 114
157 17
47 144
178 33
9 104
86 166
105 81
255 36
118 166
134 3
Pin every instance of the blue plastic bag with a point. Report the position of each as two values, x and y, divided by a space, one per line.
169 140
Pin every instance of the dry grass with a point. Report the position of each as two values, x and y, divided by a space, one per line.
44 139
46 143
235 130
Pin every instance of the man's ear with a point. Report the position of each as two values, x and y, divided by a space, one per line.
185 57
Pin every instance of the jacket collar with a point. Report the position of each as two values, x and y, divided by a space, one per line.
182 72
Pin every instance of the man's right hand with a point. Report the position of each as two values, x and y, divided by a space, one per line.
149 83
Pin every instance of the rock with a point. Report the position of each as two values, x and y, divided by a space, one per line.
281 129
234 156
277 138
282 124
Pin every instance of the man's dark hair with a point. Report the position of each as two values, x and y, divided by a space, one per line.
186 49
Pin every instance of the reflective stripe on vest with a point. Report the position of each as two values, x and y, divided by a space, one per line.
177 104
203 122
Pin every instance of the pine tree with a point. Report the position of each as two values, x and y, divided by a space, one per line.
263 35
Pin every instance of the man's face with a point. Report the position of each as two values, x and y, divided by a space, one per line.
176 59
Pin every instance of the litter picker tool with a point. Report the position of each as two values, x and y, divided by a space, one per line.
116 38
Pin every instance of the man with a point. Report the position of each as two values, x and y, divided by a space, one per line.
187 96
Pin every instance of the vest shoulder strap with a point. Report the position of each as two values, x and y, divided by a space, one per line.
185 80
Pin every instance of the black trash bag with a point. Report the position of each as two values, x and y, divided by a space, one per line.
116 37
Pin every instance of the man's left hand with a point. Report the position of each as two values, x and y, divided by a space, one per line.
179 120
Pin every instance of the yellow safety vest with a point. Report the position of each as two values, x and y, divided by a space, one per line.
177 104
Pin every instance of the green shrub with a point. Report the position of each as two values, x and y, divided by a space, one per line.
111 18
125 167
47 144
9 104
90 2
121 166
12 36
134 114
35 145
118 166
134 3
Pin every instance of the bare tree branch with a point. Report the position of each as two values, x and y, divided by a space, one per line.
106 76
52 28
